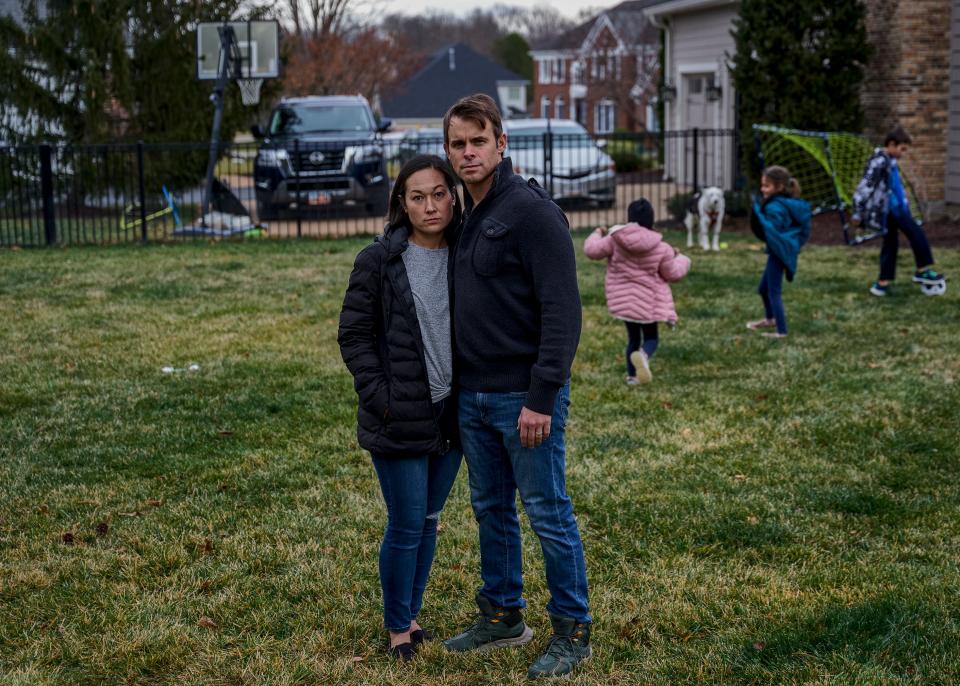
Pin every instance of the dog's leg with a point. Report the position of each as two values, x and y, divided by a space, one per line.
704 229
688 221
717 224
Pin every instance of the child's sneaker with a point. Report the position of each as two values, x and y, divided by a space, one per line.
639 359
928 277
762 324
632 381
878 290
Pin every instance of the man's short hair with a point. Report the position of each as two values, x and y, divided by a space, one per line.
898 136
478 108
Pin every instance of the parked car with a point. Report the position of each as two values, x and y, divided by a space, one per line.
582 171
321 151
421 142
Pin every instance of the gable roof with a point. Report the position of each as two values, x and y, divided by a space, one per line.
627 20
452 73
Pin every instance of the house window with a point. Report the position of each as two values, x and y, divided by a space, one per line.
558 112
544 70
601 62
576 73
604 117
616 68
558 70
544 107
513 92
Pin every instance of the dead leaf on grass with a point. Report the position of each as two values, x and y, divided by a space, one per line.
753 520
759 645
154 502
224 432
739 477
67 538
103 529
206 547
135 513
207 623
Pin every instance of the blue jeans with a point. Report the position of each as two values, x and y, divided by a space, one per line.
897 222
414 490
499 468
770 289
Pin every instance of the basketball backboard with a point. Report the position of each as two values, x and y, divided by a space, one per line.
259 44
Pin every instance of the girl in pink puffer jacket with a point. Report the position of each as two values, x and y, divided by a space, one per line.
640 268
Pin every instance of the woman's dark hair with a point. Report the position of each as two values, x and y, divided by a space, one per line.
898 136
397 215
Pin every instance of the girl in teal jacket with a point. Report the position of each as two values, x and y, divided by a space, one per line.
782 221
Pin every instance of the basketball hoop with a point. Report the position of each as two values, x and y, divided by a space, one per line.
250 90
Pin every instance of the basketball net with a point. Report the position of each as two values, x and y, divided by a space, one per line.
250 90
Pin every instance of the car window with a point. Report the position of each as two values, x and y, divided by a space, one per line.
531 137
320 119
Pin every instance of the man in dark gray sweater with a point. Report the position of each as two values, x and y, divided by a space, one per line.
516 328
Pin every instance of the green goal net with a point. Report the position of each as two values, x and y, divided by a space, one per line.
828 166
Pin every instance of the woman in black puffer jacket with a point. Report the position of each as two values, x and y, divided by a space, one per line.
396 339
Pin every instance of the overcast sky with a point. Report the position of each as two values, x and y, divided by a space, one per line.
568 8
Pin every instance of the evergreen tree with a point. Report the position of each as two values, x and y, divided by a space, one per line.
800 64
513 52
96 71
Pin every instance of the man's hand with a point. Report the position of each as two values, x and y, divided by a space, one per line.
534 428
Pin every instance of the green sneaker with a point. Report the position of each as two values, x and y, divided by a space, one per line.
496 627
568 647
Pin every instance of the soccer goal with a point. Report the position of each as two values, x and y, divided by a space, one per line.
828 166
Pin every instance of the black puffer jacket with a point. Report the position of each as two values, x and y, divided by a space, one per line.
380 342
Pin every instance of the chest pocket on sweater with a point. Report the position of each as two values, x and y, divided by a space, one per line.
489 248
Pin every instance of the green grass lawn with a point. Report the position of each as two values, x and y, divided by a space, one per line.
763 512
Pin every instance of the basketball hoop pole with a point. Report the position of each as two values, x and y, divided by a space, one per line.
229 62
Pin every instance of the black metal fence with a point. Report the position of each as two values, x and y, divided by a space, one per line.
58 195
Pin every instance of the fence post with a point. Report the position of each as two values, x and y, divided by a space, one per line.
696 159
142 188
296 169
46 193
548 160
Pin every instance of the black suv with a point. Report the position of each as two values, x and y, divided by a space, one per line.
321 152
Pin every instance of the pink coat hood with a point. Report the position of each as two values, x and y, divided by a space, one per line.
640 267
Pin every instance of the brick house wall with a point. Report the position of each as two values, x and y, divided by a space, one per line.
617 70
906 83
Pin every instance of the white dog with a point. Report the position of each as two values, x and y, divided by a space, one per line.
706 209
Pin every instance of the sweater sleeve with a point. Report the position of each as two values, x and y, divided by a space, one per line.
598 247
546 249
357 335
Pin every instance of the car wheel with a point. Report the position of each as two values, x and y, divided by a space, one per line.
377 207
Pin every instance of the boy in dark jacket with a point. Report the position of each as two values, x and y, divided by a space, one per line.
880 201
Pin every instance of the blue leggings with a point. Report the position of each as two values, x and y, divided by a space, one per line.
640 335
770 290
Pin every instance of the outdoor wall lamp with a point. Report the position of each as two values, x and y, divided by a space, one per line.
714 93
668 93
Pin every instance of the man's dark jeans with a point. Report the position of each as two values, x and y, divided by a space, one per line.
500 467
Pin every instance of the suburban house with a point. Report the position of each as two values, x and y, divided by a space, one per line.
452 73
698 89
602 73
904 83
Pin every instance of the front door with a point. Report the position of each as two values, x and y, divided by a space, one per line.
700 112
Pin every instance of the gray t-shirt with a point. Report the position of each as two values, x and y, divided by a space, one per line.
427 273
